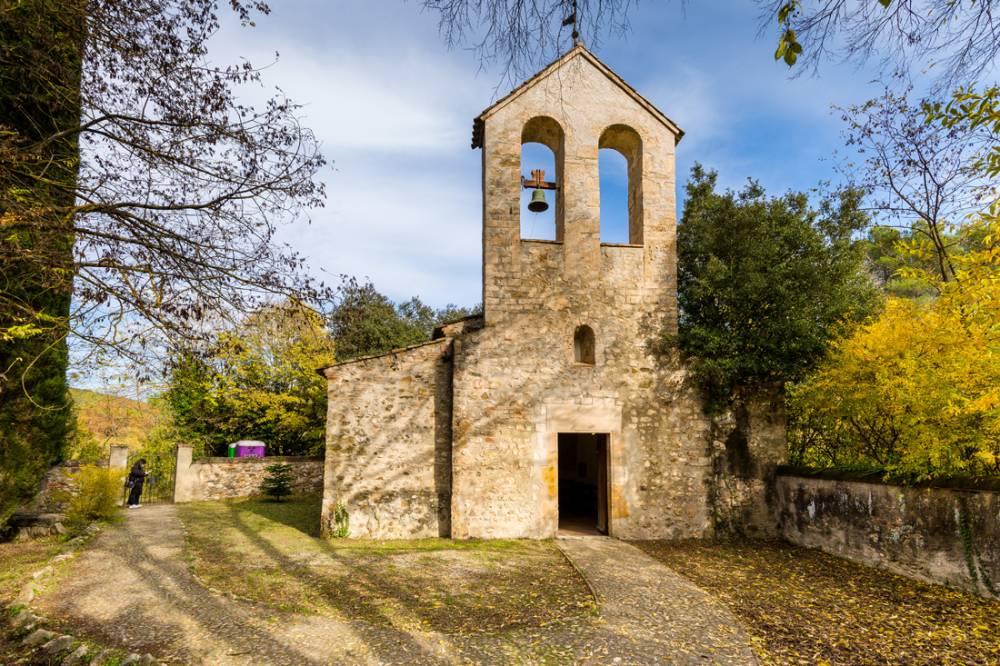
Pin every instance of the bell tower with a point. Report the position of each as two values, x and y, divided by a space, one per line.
577 106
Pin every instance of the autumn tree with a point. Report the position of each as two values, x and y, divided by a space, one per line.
520 36
257 380
136 184
919 177
764 282
959 40
915 392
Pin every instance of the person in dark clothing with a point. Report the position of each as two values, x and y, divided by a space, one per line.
136 477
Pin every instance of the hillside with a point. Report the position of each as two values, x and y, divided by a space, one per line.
114 419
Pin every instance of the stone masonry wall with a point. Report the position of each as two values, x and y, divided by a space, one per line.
388 450
55 488
746 446
231 478
933 534
59 483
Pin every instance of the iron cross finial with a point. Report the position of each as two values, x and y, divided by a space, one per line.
572 20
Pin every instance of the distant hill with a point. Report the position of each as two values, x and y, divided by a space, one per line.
112 419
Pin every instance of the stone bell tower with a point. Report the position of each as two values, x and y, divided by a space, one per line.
575 107
570 324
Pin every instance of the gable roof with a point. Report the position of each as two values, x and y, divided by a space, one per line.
578 50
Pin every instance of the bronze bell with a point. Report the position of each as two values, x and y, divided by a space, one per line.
538 203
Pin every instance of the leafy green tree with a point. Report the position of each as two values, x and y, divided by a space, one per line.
764 282
257 381
367 322
885 261
278 482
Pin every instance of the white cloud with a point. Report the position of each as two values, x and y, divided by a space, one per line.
393 110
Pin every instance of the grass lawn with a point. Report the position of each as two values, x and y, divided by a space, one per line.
268 552
803 606
18 560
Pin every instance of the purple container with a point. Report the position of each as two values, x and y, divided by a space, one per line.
249 449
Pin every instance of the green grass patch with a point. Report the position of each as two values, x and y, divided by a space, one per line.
803 606
268 552
18 560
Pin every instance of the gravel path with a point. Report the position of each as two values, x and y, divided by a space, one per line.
132 588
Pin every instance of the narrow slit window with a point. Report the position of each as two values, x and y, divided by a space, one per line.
583 345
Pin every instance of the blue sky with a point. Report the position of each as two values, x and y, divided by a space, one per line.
393 108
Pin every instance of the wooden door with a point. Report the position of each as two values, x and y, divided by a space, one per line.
602 484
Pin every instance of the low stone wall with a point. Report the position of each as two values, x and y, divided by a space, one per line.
933 534
43 514
229 478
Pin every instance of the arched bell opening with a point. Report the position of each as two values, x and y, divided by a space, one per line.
541 206
620 172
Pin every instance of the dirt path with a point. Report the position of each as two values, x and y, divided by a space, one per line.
133 588
656 608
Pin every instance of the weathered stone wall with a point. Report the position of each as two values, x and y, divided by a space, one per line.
230 478
388 450
934 534
43 515
55 488
746 446
59 483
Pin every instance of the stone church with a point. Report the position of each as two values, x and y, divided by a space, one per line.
556 409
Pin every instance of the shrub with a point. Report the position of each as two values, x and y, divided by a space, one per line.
278 482
341 521
98 496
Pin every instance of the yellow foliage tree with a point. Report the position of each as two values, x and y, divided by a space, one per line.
257 381
915 392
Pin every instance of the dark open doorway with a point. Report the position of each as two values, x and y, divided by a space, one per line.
583 483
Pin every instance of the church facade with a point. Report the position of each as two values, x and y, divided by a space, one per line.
558 408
